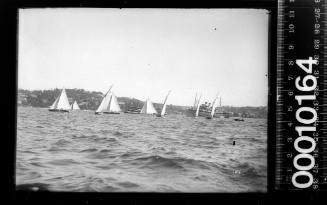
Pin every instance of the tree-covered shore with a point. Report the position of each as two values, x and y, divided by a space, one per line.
90 100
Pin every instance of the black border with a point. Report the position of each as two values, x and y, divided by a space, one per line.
9 19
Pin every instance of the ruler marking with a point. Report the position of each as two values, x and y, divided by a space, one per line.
284 55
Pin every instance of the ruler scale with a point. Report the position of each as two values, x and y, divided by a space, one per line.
301 111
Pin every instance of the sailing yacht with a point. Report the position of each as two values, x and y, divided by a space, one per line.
61 104
191 111
220 113
133 110
212 109
104 103
197 109
113 106
148 108
196 114
109 104
163 110
75 106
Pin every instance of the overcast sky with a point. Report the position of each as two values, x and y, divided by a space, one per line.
146 52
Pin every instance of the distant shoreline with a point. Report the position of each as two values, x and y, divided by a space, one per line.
90 100
57 90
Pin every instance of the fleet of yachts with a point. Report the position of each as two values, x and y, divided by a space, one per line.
110 105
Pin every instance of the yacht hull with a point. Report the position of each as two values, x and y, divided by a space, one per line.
56 110
101 113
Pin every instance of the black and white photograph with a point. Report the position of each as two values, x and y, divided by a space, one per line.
142 100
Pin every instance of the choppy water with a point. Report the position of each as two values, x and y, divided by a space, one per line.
80 151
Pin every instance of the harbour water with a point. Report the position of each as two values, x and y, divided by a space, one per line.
80 151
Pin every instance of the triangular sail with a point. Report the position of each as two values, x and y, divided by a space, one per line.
195 100
63 103
213 108
148 108
105 102
198 107
75 106
113 104
53 106
143 110
163 111
220 108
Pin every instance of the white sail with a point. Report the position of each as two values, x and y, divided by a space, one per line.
195 99
105 102
63 103
55 103
198 107
148 108
163 111
213 108
75 106
113 105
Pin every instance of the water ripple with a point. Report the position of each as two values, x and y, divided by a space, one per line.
80 151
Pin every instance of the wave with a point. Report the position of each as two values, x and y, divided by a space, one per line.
21 167
89 150
202 124
255 139
201 178
37 164
104 139
158 149
130 154
56 149
102 154
159 162
104 167
118 134
108 188
33 175
177 153
63 162
105 150
94 138
84 136
29 152
205 132
128 184
62 142
249 171
166 188
156 161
